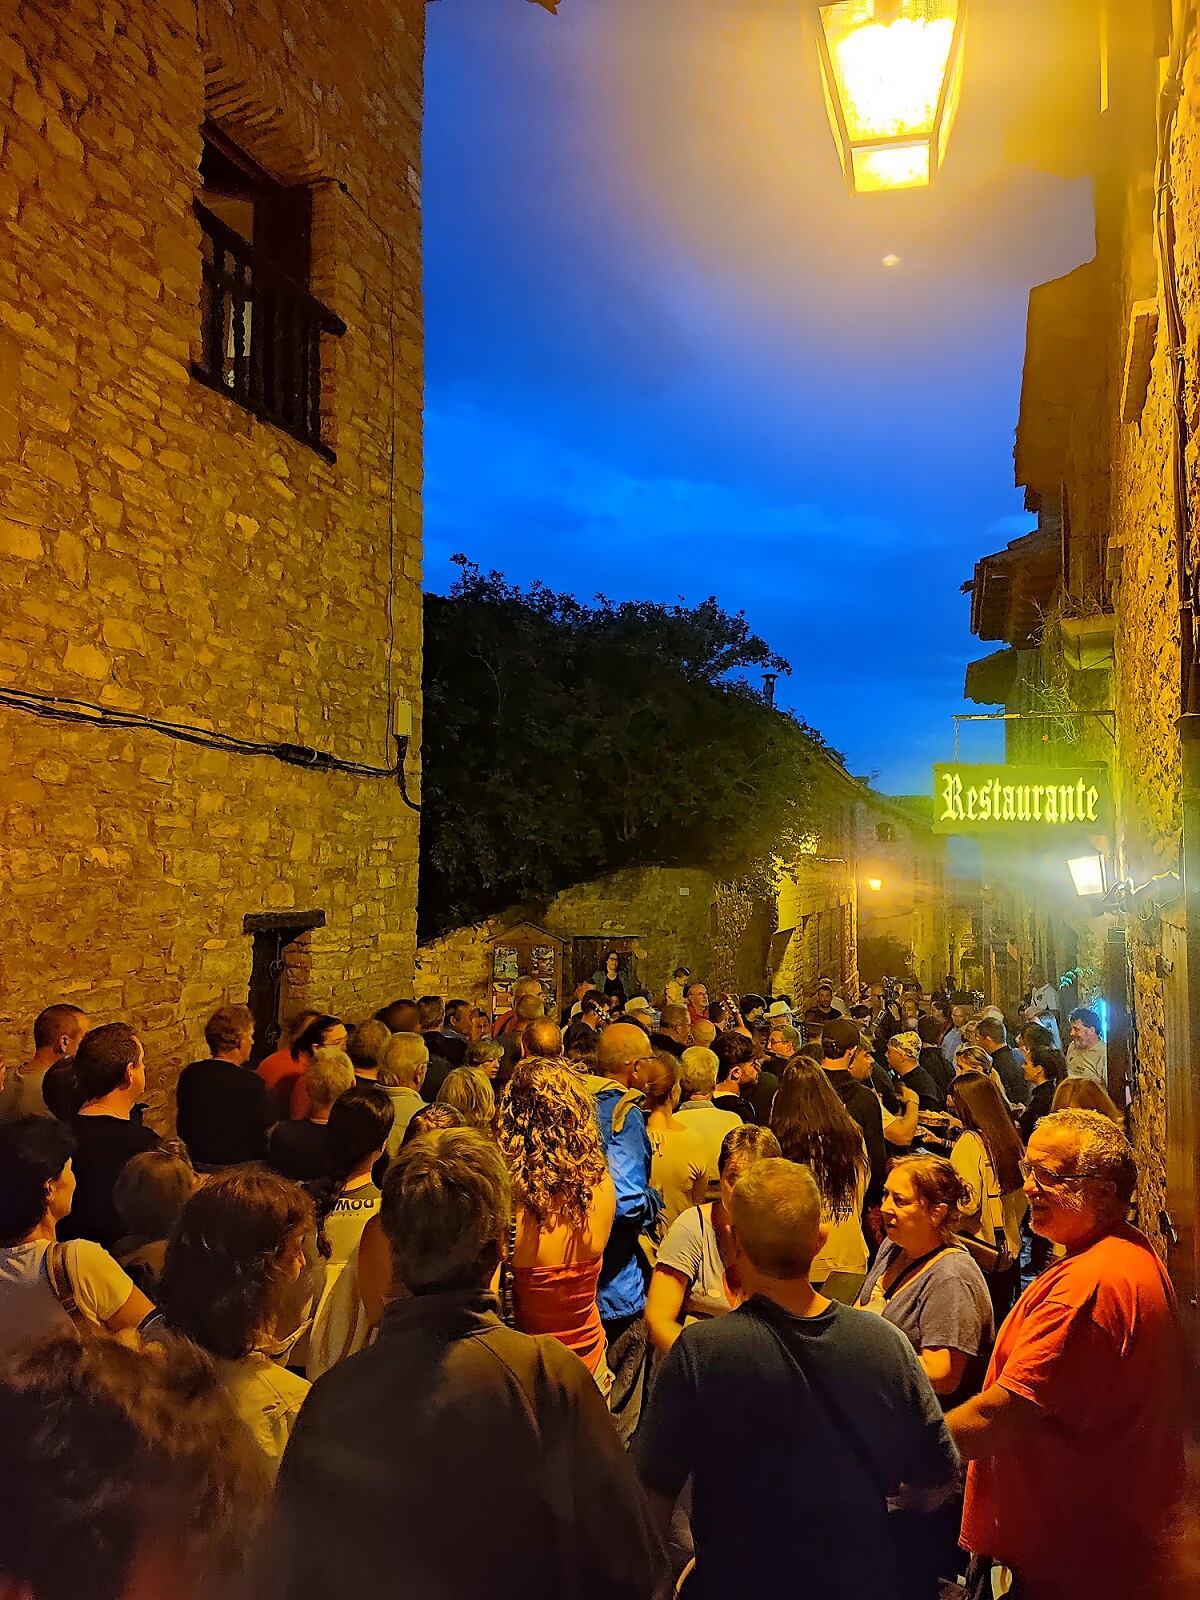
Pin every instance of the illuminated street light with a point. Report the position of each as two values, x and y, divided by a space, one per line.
892 73
875 885
1089 875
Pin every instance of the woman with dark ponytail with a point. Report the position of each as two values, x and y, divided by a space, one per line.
359 1124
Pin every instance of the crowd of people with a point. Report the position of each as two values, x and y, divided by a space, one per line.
664 1293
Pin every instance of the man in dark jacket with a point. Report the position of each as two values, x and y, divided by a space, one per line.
993 1036
841 1039
223 1109
456 1457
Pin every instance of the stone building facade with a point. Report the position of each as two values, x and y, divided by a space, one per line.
1108 411
166 554
904 896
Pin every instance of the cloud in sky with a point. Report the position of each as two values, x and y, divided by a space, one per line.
664 357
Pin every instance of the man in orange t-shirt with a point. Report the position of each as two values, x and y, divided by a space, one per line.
1075 1444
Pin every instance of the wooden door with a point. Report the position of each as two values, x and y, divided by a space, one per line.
587 956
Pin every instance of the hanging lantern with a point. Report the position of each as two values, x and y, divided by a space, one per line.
892 73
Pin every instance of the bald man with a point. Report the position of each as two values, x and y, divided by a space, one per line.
542 1037
623 1052
703 1033
523 989
832 1407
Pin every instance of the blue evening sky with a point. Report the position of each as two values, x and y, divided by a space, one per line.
665 357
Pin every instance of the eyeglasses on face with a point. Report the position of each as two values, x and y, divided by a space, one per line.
1051 1180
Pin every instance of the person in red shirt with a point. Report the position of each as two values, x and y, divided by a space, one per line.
523 989
696 996
1075 1443
283 1071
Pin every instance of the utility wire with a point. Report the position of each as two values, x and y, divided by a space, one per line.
58 708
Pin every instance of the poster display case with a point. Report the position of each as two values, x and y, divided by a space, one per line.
526 951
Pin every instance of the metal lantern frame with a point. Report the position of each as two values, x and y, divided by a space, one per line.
937 136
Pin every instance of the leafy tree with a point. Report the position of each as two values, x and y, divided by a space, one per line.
881 955
563 740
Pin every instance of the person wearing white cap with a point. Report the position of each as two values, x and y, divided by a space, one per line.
640 1010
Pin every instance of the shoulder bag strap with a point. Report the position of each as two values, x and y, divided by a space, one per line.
508 1310
58 1275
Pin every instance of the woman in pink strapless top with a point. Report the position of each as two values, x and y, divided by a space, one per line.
564 1206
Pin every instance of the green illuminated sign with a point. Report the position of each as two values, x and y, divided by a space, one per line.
1043 800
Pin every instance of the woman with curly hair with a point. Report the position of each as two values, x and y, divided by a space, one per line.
815 1129
237 1250
564 1203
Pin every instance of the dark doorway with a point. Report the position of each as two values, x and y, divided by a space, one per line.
267 998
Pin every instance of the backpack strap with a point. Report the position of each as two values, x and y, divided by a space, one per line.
58 1275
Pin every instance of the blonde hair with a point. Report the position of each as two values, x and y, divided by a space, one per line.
327 1075
1085 1094
551 1141
470 1092
403 1057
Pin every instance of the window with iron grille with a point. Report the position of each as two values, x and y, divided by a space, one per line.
261 327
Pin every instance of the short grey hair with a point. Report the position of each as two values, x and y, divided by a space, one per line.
786 1032
368 1042
403 1057
698 1069
1102 1150
329 1074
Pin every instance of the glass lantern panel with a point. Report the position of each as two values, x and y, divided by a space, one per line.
888 74
902 166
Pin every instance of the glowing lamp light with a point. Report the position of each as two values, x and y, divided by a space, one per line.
892 74
1089 876
875 885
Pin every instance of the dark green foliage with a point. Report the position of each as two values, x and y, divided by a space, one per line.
564 740
881 955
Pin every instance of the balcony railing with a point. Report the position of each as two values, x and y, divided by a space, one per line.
261 334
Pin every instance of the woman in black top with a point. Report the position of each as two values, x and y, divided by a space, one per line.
1044 1070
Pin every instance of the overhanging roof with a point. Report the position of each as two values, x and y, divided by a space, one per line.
990 679
1012 589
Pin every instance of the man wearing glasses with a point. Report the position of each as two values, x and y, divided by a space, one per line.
1075 1444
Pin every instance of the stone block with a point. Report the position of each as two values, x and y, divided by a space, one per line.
86 660
19 541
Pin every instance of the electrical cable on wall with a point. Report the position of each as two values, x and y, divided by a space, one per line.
58 708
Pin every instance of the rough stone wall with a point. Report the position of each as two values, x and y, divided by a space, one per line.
1120 473
164 553
672 928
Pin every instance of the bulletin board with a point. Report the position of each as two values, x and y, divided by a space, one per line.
526 951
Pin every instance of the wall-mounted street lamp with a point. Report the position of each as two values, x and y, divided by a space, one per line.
892 73
875 885
1090 875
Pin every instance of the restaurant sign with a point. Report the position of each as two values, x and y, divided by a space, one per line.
1009 800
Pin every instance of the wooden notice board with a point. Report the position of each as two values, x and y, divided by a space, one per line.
526 951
